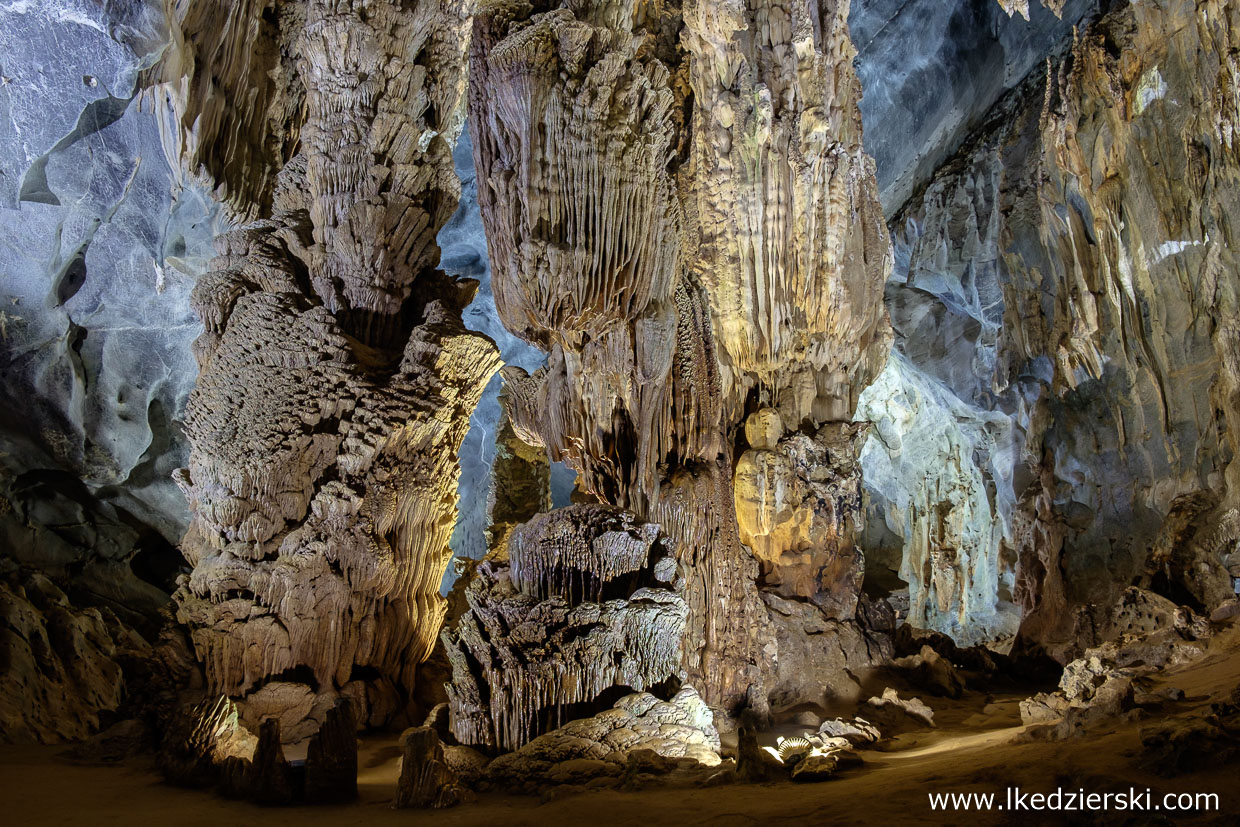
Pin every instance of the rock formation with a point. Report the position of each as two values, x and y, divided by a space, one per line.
602 745
1063 299
336 378
587 601
426 781
1137 636
60 672
680 212
520 478
100 257
958 416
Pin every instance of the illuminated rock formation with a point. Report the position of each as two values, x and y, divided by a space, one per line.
601 745
586 601
1066 411
337 379
679 210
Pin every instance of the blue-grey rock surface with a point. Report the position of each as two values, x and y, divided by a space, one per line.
930 70
99 256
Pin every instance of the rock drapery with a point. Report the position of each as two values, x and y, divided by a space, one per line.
580 601
336 378
680 212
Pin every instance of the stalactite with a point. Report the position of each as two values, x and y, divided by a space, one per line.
679 210
587 600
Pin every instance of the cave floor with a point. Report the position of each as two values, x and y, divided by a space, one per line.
971 751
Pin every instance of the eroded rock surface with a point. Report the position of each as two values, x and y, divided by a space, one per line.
100 256
337 378
60 672
693 307
1061 383
588 599
600 746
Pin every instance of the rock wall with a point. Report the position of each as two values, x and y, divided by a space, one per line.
931 70
1072 269
100 257
60 676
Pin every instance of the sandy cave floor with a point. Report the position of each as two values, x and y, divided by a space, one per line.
971 751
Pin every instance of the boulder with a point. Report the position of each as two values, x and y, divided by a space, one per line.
895 714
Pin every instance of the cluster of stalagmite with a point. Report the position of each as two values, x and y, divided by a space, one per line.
680 212
337 379
586 600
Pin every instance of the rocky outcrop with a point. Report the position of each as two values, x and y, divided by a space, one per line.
798 499
205 744
603 745
336 378
1139 635
60 665
970 54
686 260
891 713
588 600
816 659
1061 307
426 780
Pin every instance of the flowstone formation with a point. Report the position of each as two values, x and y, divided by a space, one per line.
584 601
633 735
1065 418
679 211
336 378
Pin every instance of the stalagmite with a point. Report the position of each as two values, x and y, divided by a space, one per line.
426 781
679 210
337 379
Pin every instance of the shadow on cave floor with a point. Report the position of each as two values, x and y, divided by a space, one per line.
972 749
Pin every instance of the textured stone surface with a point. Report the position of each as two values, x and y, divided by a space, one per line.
628 241
337 379
1057 421
601 745
813 658
59 670
99 258
969 53
1061 378
588 600
426 780
1144 633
